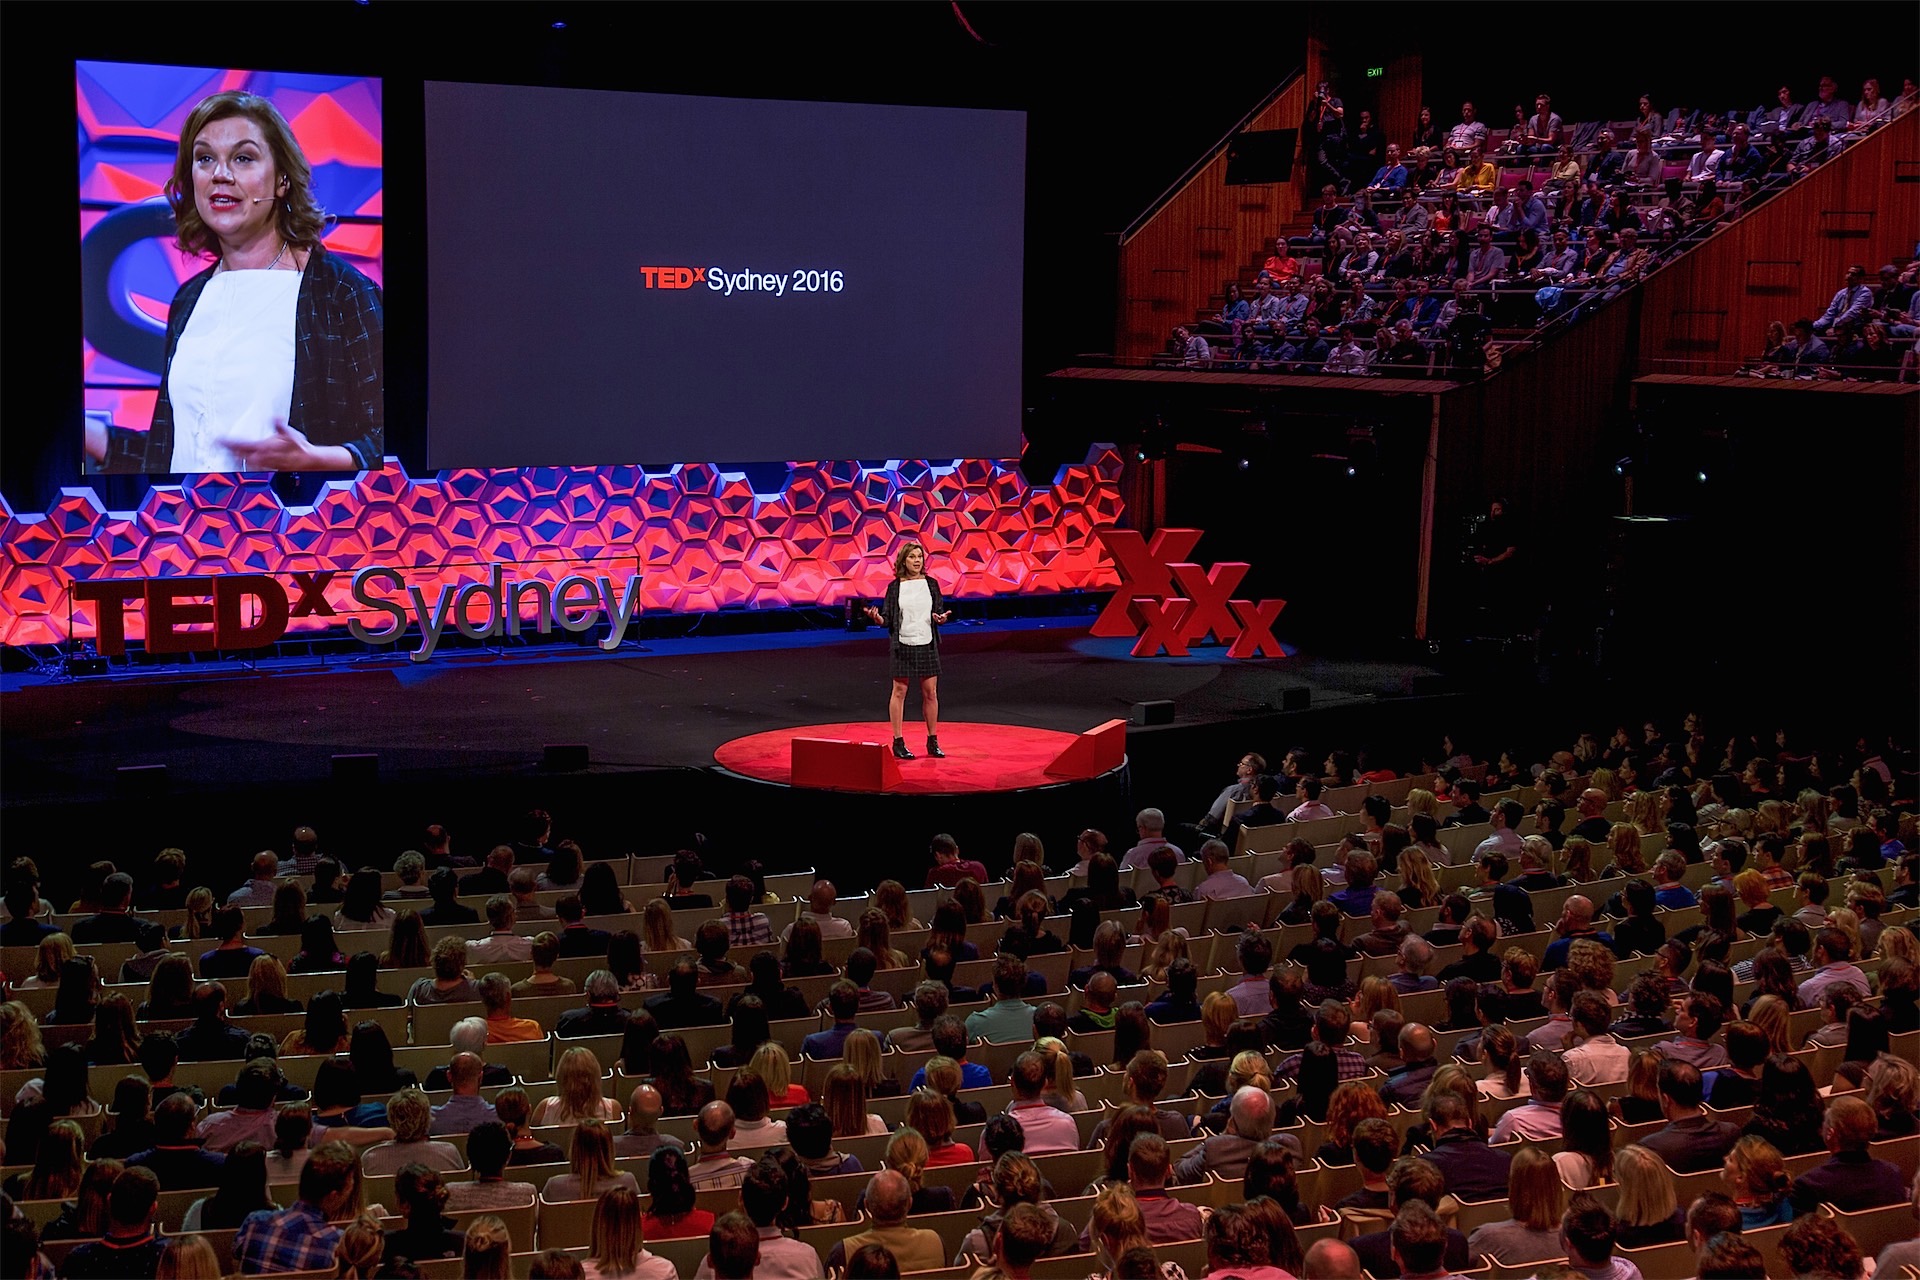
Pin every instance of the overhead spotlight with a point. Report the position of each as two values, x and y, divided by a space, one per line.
1702 477
1246 464
559 26
1352 471
1623 464
1140 454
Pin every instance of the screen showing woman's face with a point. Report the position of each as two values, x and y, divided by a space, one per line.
235 183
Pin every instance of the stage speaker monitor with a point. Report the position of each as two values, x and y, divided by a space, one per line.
141 779
1260 156
566 757
1145 713
358 766
1296 698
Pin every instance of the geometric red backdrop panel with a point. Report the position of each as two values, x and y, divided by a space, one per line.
702 538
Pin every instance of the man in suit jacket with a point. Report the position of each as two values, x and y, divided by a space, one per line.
1249 1123
1471 1168
603 1015
211 1038
682 1005
113 922
1692 1141
576 939
1853 1180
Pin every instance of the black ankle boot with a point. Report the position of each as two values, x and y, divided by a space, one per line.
900 751
933 747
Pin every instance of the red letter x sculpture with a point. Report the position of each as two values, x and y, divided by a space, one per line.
1143 573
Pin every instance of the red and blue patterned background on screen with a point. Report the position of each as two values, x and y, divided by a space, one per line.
129 128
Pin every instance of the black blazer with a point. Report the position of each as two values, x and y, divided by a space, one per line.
890 608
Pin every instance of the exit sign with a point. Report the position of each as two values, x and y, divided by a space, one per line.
1374 73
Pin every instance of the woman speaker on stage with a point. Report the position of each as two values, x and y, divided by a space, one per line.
911 613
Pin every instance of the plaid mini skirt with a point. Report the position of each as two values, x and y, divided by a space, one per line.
913 660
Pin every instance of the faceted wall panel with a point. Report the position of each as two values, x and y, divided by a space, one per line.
700 536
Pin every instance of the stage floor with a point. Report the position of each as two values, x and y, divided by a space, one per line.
671 706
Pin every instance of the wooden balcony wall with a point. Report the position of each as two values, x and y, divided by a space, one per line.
1708 312
1200 239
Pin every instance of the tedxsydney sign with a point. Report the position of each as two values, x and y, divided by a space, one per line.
189 614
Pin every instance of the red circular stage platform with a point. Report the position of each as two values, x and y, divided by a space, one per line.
980 757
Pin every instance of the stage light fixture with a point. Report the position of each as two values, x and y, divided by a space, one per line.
1352 471
1246 464
1622 465
1703 477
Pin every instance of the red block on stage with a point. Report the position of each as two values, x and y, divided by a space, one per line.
1097 751
846 766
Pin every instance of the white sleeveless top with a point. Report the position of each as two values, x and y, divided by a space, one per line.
232 372
916 612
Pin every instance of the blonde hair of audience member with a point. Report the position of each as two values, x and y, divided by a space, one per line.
657 926
409 1114
1898 943
1755 1170
1249 1069
876 935
357 1256
1815 810
1847 921
1893 1088
1417 873
1577 856
944 1075
1160 954
579 1098
1027 847
1643 1080
1500 1049
20 1043
616 1232
55 950
1060 1086
266 976
1375 994
1608 781
1117 1224
591 1156
489 1249
1156 919
1770 1014
845 1098
58 1163
1773 818
1453 1078
1592 963
187 1258
861 1052
1646 1187
770 1063
199 908
1422 800
907 1152
1623 845
1644 813
890 896
1352 1102
1534 1190
1218 1013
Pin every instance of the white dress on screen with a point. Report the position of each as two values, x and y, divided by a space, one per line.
232 374
916 612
